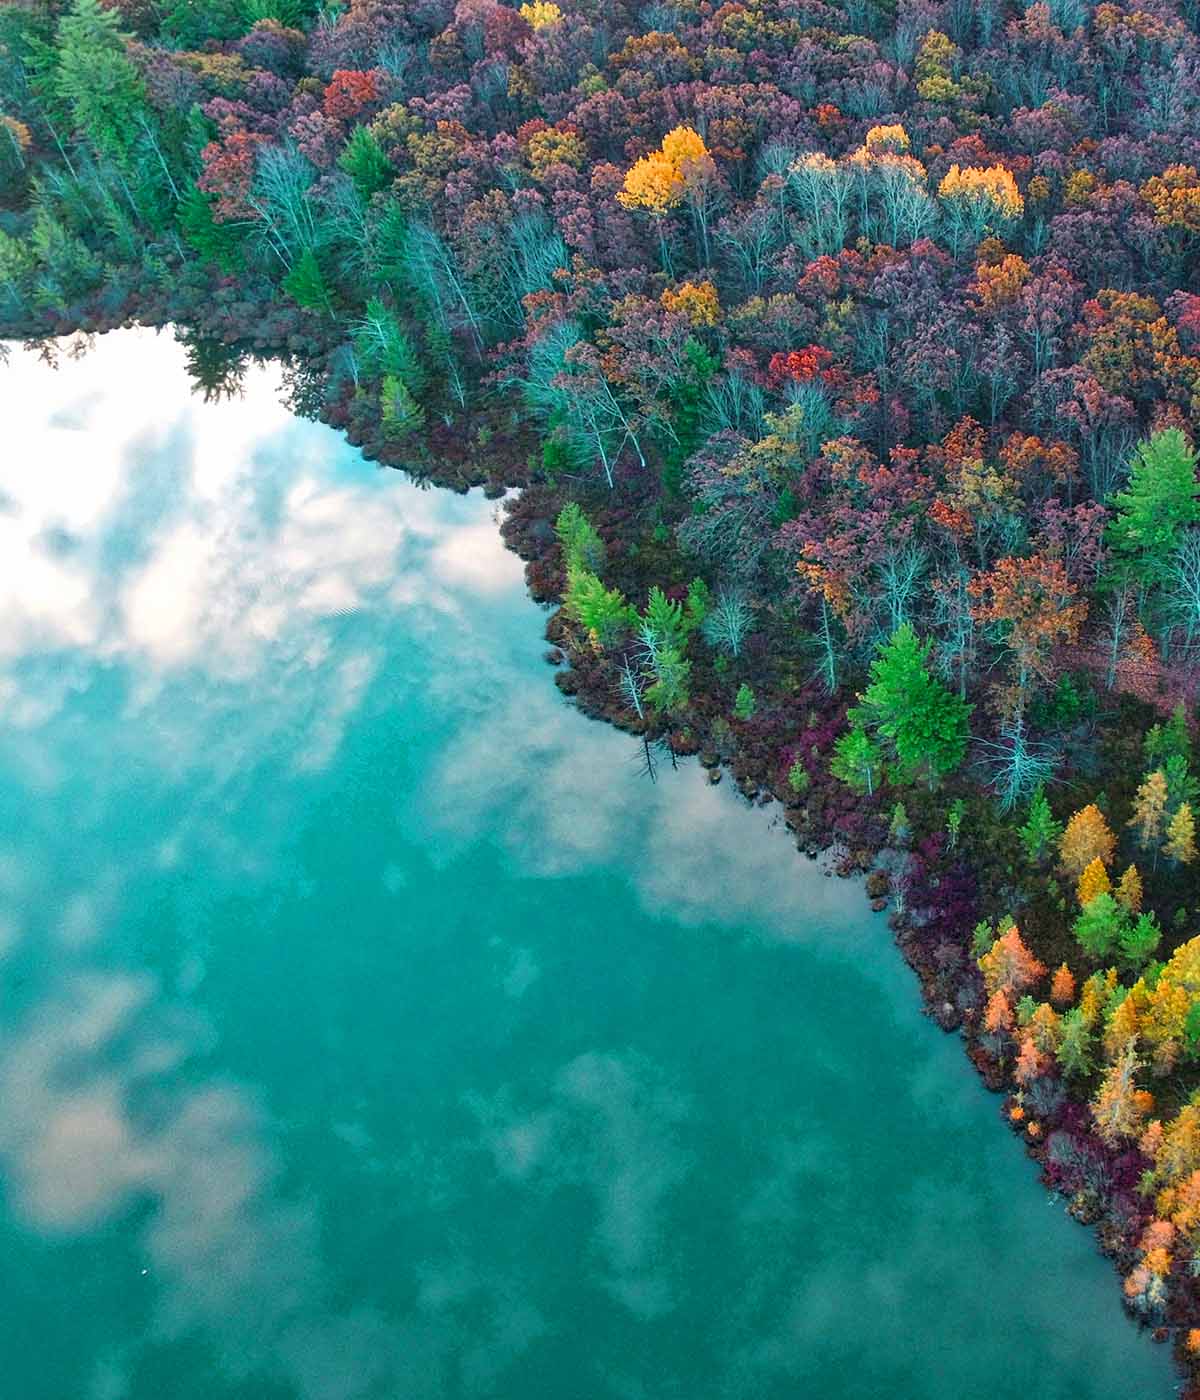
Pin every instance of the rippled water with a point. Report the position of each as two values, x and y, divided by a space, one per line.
371 1030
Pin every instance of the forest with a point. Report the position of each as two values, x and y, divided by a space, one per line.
846 355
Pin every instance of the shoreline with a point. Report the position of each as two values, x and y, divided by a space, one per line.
939 906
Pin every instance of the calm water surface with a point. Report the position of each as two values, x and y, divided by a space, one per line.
370 1030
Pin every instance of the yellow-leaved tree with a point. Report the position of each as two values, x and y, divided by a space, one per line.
1129 890
978 200
1149 809
1093 881
1087 837
1180 844
540 14
680 169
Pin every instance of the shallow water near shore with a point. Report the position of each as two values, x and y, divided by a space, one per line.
372 1030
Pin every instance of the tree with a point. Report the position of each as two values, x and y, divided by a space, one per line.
1139 940
1093 881
400 413
1062 986
1074 1043
1034 607
1149 809
1120 1107
1157 506
857 760
305 284
582 547
976 200
602 611
1180 844
1008 965
1087 838
728 622
744 703
1040 831
364 160
1129 890
1099 926
98 80
921 723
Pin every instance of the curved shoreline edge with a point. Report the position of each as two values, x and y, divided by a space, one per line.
939 904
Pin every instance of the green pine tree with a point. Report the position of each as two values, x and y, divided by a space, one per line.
1099 926
305 284
857 760
744 704
581 545
921 724
1159 503
1040 833
217 242
399 411
363 159
98 81
1138 941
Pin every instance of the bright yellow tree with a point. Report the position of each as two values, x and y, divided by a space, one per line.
698 301
1181 835
541 14
1093 881
1087 838
978 200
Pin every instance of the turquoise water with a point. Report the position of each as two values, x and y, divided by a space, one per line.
371 1030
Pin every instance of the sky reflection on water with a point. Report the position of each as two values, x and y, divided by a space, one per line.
372 1031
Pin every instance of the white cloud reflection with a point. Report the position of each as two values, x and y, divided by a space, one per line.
243 573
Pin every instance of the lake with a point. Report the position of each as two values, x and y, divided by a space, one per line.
373 1029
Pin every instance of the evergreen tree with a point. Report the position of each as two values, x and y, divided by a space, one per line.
603 611
399 411
1156 507
1139 941
98 81
363 159
1040 831
919 721
1074 1043
581 546
221 243
744 703
305 284
1099 926
857 760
